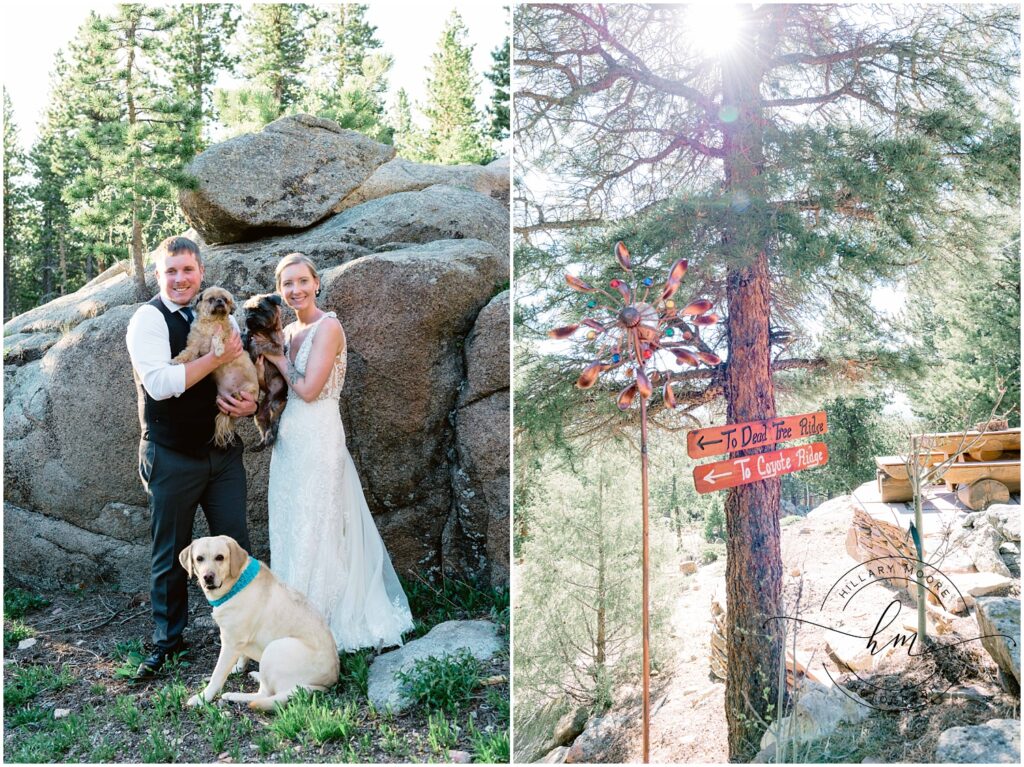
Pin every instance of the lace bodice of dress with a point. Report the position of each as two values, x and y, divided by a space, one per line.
336 380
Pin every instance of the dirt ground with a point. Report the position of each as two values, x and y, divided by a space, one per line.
687 703
83 640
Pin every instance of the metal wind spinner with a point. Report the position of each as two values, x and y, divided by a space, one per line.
640 334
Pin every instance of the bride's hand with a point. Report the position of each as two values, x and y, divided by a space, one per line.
279 361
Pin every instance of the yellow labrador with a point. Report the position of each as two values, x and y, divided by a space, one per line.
263 619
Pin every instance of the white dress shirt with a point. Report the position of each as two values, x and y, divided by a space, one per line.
149 346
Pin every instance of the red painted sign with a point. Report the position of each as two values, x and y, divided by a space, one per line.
753 468
733 437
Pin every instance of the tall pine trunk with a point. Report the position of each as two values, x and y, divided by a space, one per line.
754 567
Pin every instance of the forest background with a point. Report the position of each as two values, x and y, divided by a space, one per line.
141 90
865 163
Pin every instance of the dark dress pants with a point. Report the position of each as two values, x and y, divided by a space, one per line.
176 484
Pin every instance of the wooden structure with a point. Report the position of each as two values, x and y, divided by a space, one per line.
987 473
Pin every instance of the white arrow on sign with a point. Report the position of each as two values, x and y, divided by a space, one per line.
710 477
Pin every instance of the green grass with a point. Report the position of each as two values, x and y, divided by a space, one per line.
441 684
18 602
309 715
499 701
355 671
54 742
168 702
489 747
127 711
26 682
27 715
442 733
15 630
156 748
392 742
450 600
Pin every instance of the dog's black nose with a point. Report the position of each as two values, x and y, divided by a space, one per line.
208 577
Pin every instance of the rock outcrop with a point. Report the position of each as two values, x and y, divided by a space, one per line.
409 276
478 529
292 174
994 742
999 626
478 638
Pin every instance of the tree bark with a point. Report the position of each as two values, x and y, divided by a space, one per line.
754 566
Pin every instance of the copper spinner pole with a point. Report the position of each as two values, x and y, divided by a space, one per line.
646 578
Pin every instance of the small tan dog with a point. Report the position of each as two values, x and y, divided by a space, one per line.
263 619
211 329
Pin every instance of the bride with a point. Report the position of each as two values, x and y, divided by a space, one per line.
323 540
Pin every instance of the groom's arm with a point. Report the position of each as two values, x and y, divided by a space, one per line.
149 347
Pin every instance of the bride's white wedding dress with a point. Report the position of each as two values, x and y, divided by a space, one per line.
323 540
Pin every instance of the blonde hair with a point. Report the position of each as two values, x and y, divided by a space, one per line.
290 260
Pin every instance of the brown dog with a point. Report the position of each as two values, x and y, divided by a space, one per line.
264 335
263 619
211 329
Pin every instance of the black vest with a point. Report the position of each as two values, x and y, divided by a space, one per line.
184 423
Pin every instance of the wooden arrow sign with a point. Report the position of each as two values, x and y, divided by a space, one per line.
733 437
753 468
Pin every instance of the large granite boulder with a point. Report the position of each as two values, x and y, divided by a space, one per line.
407 280
999 625
292 174
477 638
400 175
997 741
477 535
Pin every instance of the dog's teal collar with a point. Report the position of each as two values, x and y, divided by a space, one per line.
248 575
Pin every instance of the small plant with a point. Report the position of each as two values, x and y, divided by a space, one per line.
16 630
156 748
267 743
308 714
442 734
441 684
500 703
130 654
355 671
169 701
127 711
53 743
105 751
17 602
27 715
454 600
708 556
27 682
392 743
489 747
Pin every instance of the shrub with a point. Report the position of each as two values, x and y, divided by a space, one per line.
441 684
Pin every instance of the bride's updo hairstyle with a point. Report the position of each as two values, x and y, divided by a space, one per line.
290 260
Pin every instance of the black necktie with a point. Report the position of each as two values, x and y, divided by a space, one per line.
186 312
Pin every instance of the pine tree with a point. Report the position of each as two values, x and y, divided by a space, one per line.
455 134
16 211
498 111
831 149
134 136
275 51
347 80
195 54
407 137
343 39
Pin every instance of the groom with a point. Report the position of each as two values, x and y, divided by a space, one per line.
178 462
